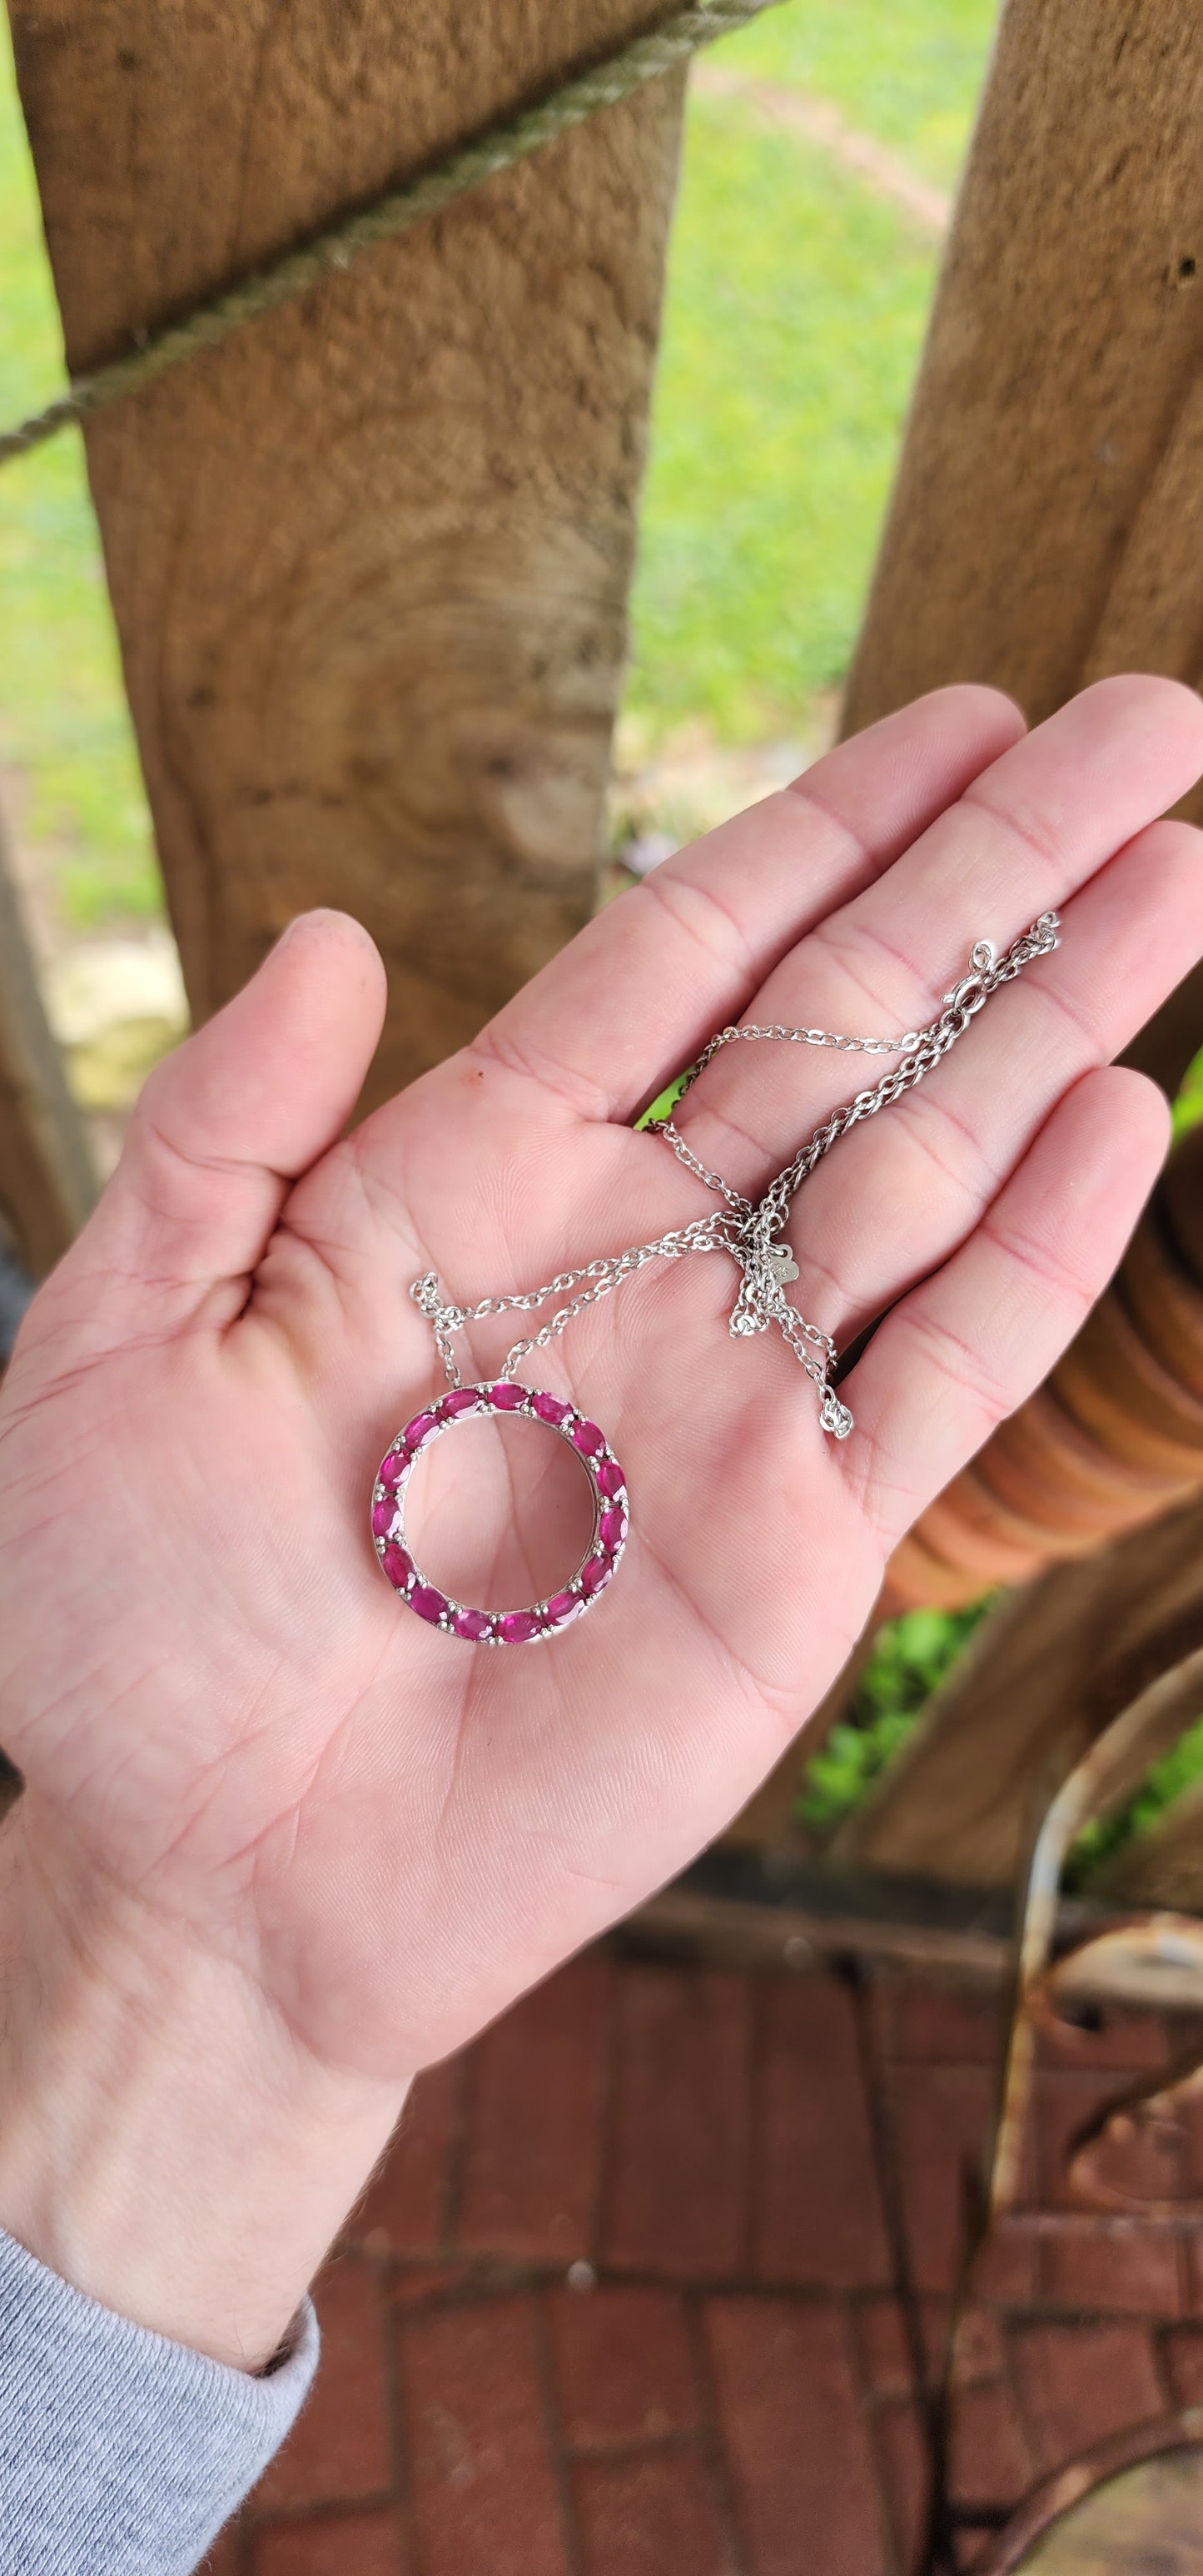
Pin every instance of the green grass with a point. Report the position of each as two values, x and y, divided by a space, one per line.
1164 1781
795 307
63 720
910 1658
909 72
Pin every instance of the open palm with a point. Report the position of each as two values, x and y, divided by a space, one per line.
219 1707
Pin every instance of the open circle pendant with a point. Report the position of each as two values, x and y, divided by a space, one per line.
601 1557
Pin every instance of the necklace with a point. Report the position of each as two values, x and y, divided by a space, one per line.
747 1229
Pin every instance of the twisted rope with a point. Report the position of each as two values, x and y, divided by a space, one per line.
384 219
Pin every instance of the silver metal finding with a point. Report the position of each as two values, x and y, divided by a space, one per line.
747 1229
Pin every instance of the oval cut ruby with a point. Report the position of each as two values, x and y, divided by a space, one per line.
462 1399
518 1627
418 1430
383 1516
612 1527
398 1565
473 1624
550 1408
610 1477
561 1607
428 1603
392 1469
588 1438
597 1572
506 1397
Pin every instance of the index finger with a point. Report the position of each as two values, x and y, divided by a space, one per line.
631 1000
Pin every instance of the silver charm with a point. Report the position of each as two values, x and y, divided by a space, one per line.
750 1231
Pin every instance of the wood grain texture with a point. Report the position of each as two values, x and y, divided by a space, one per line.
369 560
1114 1438
1164 1865
1047 517
47 1181
1111 2515
1049 1670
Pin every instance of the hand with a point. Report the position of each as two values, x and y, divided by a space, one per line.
281 1844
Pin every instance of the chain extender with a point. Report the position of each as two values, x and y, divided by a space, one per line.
746 1228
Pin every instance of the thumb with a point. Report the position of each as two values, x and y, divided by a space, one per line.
221 1129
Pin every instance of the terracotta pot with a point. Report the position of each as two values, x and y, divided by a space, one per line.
1164 1305
1042 1465
969 1530
917 1580
1112 1385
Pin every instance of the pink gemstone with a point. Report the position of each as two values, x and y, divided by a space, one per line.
610 1477
428 1603
392 1470
462 1399
612 1527
383 1516
506 1397
597 1572
561 1607
518 1626
550 1409
472 1623
398 1566
589 1439
417 1430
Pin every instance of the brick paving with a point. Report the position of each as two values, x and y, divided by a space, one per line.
657 2276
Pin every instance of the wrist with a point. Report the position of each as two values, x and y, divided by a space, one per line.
165 2144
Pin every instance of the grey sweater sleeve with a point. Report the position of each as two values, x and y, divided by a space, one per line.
122 2454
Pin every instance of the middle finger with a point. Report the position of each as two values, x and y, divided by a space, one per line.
1025 835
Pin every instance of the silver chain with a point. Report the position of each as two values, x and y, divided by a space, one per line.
746 1227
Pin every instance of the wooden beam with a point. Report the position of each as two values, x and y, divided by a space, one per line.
369 560
1050 1668
1048 513
47 1180
1163 1867
732 1911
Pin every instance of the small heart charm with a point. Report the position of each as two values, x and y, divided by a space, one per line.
784 1265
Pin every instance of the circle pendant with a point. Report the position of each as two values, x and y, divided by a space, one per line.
601 1558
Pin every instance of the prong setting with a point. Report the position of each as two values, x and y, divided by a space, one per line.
539 1620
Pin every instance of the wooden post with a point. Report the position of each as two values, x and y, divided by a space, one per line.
1045 1675
1164 1865
369 560
47 1183
1048 513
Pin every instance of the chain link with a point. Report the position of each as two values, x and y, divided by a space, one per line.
747 1230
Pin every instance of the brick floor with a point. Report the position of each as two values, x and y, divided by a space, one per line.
655 2281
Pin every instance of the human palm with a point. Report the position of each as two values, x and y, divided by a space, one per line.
221 1710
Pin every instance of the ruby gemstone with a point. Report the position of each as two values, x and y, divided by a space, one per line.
589 1439
462 1399
505 1397
597 1572
383 1516
474 1624
519 1626
417 1430
428 1603
611 1480
392 1469
398 1565
612 1527
561 1607
550 1409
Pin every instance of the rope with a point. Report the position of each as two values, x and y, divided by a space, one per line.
398 211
